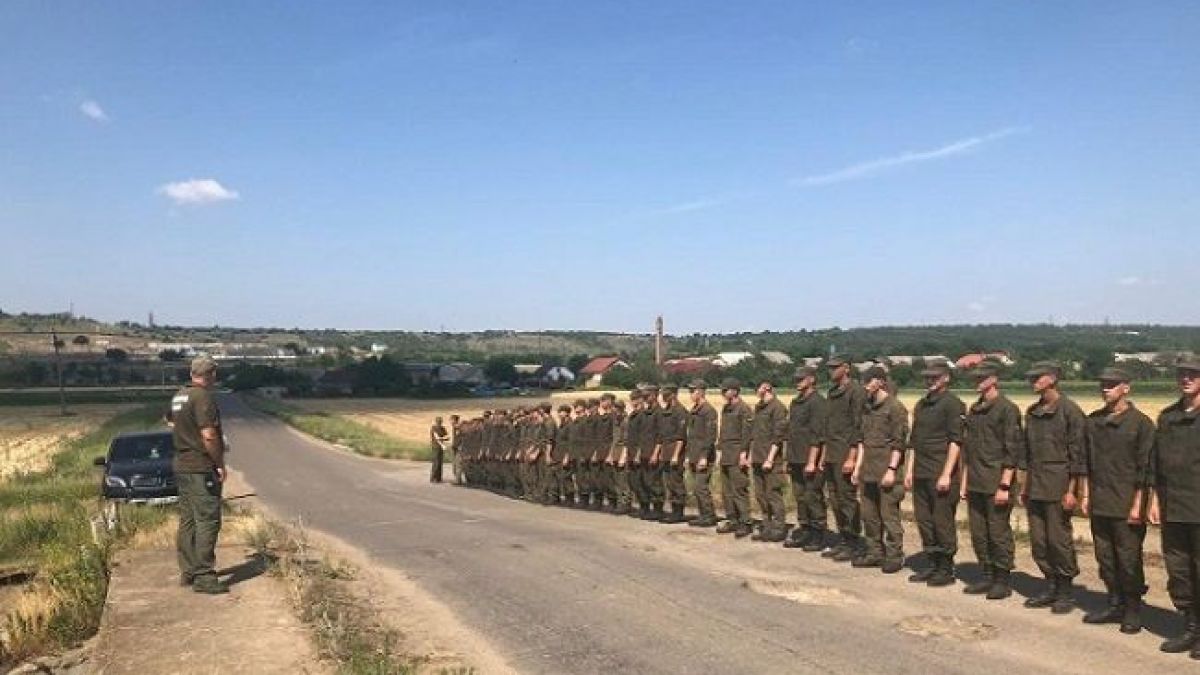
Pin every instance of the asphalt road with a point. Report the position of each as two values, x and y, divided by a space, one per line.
560 591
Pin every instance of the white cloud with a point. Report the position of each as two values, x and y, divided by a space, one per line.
867 168
93 111
1129 281
197 191
976 306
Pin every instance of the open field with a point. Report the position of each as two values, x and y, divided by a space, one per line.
31 435
409 420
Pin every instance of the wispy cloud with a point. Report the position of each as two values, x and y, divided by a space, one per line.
687 207
863 169
197 192
93 111
1134 280
976 306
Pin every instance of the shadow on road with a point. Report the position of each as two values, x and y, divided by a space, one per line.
254 566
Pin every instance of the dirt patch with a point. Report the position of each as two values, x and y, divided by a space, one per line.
949 627
691 535
799 591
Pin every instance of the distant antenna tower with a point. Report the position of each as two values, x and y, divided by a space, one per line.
151 324
658 340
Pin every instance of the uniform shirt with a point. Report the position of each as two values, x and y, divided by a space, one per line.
192 409
1175 464
843 428
884 430
649 437
770 427
602 444
702 432
620 435
737 420
563 447
993 442
437 433
1054 448
633 433
672 428
937 422
549 432
1118 454
456 438
806 426
580 450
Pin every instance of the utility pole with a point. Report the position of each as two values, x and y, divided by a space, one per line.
58 371
658 341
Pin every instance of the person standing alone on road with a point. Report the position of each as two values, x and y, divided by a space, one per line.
438 438
199 466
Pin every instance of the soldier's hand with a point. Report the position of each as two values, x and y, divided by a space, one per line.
767 465
1024 498
221 474
1152 514
854 477
810 470
908 482
943 485
1001 498
847 468
888 480
1084 506
1135 515
675 462
1069 502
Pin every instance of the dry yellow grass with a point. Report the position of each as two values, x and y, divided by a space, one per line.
31 435
410 420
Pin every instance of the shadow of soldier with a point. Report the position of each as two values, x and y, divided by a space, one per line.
255 565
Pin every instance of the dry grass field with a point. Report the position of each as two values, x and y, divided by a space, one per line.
409 420
31 435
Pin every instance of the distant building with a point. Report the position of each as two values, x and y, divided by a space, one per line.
972 360
460 373
555 377
593 373
730 359
689 365
777 358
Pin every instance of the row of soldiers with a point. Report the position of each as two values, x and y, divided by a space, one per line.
852 452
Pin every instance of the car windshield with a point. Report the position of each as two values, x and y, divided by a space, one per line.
142 448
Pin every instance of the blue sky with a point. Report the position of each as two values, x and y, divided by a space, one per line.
529 165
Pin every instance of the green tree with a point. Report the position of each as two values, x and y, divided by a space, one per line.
500 369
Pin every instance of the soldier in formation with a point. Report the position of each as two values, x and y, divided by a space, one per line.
850 452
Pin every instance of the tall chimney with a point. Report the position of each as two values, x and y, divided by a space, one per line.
658 340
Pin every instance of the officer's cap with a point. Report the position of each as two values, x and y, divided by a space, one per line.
608 396
730 383
805 371
1113 374
1044 368
936 369
564 408
1191 362
619 404
835 361
986 369
873 373
697 384
670 389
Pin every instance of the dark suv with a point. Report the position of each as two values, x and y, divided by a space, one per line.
138 467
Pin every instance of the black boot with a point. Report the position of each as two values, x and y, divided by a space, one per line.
703 521
1047 597
1131 618
727 527
657 512
1186 640
1000 587
816 542
983 585
1065 602
923 576
797 537
1112 613
943 573
676 515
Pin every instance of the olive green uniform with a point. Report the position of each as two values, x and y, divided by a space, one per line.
551 465
602 483
438 437
769 431
1118 457
564 448
736 432
193 409
806 430
843 431
937 422
649 485
672 434
1175 476
1054 452
702 445
583 438
993 442
620 471
884 430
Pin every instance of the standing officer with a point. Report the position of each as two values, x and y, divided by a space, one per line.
1118 441
564 450
1175 478
635 430
672 437
933 473
602 480
806 437
877 465
649 478
701 452
992 447
438 439
581 453
767 437
1055 458
199 466
733 456
843 436
456 448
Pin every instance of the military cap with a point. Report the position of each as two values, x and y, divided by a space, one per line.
547 407
835 361
203 365
670 389
619 404
593 402
635 395
986 369
564 408
697 384
437 420
805 371
580 403
608 395
873 373
730 383
1190 362
936 369
487 414
1113 374
1044 368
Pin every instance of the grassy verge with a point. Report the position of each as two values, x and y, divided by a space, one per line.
337 429
47 531
41 397
344 625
